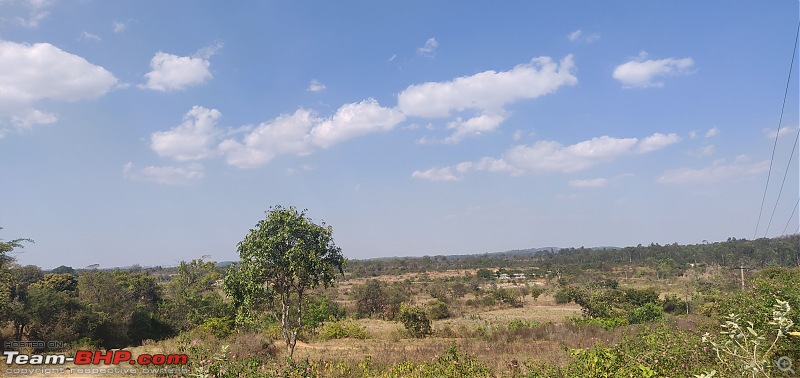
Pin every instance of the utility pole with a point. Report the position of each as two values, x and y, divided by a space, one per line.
741 269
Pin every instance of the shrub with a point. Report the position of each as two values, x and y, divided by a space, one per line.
452 364
219 327
342 329
415 320
438 310
648 313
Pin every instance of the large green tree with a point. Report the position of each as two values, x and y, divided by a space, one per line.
282 259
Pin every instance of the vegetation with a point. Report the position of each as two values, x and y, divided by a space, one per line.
644 311
282 260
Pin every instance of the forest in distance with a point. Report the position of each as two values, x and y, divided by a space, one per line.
727 308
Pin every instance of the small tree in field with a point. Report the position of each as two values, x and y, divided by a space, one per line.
282 258
415 320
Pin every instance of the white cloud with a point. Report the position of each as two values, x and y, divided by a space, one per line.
770 133
704 151
119 27
517 135
436 174
712 132
657 141
487 91
589 183
287 134
316 86
429 48
33 117
31 73
719 171
483 123
193 139
553 157
641 73
578 35
176 73
356 119
86 36
38 12
168 175
693 134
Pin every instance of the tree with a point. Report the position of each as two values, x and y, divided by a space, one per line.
6 278
193 295
415 320
282 258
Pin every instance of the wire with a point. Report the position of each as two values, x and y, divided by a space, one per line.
790 217
783 182
780 120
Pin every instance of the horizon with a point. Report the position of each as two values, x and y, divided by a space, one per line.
162 132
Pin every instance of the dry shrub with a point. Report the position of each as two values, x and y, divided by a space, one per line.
251 344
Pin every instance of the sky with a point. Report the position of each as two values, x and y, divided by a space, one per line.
152 132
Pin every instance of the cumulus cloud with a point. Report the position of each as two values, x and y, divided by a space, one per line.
483 123
657 141
487 91
589 183
168 175
712 132
287 134
430 47
643 73
739 170
191 140
316 86
198 136
356 119
554 157
31 73
175 73
436 174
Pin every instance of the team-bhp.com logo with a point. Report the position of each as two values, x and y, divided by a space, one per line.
88 362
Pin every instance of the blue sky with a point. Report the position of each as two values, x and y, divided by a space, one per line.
152 132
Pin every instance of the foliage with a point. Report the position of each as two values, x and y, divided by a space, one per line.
193 297
661 351
282 259
341 329
438 310
320 309
451 364
121 307
415 320
649 312
756 304
751 350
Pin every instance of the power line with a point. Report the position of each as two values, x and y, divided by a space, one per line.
790 217
783 182
778 132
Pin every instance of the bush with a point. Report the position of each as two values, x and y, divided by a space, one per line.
415 320
451 364
342 329
438 310
648 313
219 327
